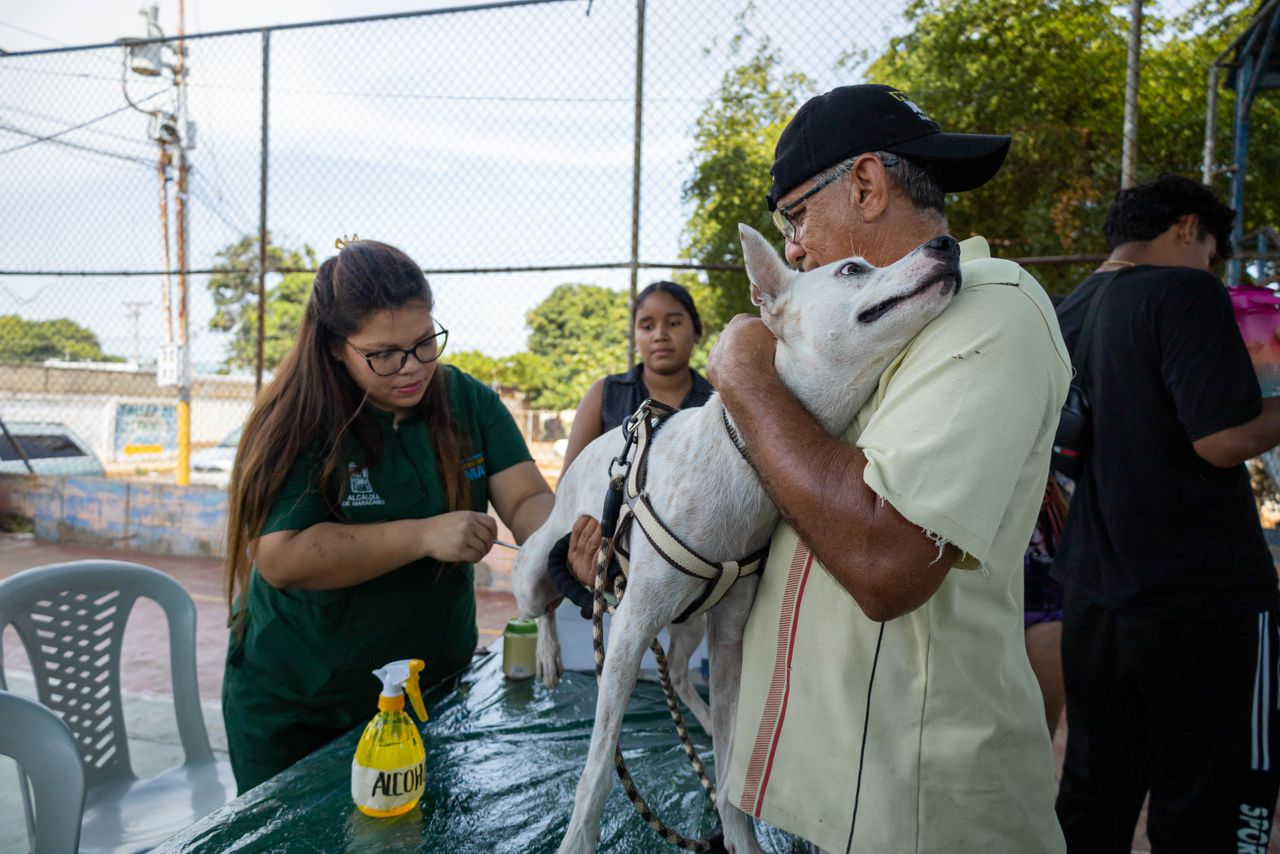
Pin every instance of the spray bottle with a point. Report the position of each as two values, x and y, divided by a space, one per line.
389 767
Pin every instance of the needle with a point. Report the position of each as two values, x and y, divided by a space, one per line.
511 546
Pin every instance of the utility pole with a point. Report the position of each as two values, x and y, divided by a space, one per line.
166 284
135 312
180 216
144 44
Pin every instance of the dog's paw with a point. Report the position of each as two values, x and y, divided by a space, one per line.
739 835
577 842
550 665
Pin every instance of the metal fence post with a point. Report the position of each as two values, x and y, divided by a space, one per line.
262 214
635 177
1129 157
1210 127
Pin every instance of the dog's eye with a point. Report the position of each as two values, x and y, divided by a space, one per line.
853 268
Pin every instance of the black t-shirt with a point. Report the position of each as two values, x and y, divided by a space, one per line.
1153 528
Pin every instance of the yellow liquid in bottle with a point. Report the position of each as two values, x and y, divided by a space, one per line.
389 768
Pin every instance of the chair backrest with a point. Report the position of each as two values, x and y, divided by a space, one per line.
41 743
70 618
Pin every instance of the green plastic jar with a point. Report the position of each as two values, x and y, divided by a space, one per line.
520 648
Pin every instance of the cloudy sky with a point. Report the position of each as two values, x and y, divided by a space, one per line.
487 139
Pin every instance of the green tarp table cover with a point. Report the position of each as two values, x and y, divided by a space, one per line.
503 760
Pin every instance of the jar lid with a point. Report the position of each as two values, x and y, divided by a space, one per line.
521 626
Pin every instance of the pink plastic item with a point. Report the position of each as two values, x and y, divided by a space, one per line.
1257 313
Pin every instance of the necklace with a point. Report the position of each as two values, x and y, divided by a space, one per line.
1121 262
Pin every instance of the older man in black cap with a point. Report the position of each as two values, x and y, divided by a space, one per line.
887 704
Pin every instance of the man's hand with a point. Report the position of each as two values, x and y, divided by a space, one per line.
744 349
584 543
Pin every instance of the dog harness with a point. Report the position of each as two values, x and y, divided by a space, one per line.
640 429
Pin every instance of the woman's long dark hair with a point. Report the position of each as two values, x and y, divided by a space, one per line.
312 402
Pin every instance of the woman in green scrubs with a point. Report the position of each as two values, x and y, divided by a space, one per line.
357 508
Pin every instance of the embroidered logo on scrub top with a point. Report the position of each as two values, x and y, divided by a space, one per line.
362 493
473 466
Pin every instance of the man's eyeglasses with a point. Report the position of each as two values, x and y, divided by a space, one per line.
782 216
387 362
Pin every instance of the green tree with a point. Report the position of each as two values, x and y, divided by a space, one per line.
734 138
1050 74
36 340
234 287
523 371
1053 76
576 335
480 366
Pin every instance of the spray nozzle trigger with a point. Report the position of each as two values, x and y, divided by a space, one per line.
399 677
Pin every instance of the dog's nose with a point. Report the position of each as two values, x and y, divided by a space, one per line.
944 243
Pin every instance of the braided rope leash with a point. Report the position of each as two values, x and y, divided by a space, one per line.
628 785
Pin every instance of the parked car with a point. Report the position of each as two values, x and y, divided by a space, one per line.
212 466
51 447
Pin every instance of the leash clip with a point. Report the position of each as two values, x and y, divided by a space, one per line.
632 424
619 467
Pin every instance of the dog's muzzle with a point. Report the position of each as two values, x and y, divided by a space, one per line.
949 274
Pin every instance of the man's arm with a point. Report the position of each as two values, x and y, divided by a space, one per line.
1208 372
889 565
1234 445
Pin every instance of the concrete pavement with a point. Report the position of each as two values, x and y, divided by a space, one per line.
146 680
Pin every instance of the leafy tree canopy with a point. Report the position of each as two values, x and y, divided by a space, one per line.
1053 76
578 334
36 340
523 371
734 138
234 286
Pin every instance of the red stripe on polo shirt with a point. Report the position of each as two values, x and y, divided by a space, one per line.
760 762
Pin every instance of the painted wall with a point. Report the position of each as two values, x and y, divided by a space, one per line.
130 515
160 518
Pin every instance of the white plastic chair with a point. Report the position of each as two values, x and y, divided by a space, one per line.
41 744
70 618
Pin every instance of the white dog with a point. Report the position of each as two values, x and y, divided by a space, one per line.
838 327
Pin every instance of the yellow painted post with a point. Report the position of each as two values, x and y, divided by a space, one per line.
184 443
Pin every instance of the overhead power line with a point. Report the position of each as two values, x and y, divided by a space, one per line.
88 149
65 131
25 31
48 117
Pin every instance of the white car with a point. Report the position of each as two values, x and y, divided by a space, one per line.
52 449
212 466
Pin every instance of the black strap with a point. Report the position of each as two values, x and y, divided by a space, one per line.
1080 353
734 437
562 577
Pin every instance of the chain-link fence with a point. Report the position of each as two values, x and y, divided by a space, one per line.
511 149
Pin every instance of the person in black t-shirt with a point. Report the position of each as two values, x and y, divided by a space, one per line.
1169 646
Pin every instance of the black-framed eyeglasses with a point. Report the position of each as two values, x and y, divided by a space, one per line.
391 361
782 216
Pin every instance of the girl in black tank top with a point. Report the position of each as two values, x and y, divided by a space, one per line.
667 327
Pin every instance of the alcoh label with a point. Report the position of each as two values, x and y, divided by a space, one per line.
387 791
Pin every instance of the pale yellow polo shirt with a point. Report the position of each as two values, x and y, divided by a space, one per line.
950 753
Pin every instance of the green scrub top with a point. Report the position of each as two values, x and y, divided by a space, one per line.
302 674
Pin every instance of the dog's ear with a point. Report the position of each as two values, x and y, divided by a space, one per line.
768 274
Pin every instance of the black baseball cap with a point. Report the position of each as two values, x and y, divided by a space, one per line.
852 120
